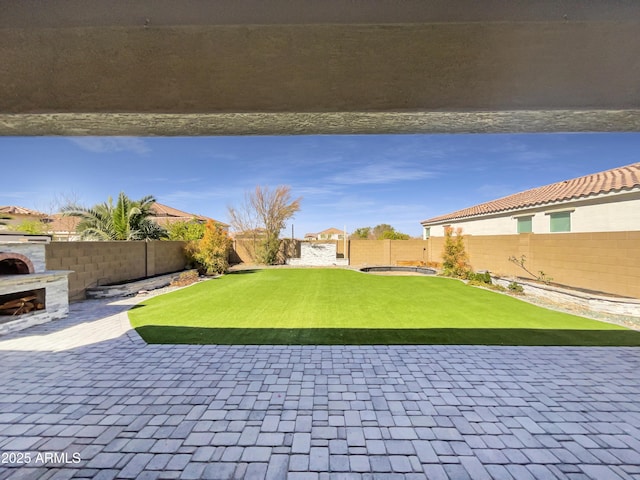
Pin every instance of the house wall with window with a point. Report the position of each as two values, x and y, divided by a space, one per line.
604 213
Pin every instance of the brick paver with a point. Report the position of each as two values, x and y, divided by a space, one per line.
86 398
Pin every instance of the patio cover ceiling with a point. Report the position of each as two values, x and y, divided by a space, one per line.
242 67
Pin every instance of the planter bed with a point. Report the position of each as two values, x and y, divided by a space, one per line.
597 302
131 288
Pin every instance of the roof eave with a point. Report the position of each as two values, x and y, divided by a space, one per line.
440 220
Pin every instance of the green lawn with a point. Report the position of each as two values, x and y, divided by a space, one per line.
334 306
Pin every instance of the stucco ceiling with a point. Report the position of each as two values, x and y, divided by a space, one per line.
82 67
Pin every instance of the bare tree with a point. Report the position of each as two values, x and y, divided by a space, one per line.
263 216
66 225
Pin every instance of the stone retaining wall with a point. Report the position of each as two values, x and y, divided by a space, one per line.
591 301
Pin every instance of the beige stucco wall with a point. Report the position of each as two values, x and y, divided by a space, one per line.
611 213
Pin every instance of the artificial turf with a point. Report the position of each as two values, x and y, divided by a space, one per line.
336 306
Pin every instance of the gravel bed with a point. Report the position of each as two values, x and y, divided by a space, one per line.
623 320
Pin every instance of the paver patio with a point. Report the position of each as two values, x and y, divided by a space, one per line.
88 386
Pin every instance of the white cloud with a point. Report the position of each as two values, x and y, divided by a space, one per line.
19 195
173 181
111 144
191 195
311 191
230 195
381 173
340 204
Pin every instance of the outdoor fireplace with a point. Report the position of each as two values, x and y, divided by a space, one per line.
29 293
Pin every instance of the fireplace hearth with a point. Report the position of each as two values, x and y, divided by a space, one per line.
20 303
29 293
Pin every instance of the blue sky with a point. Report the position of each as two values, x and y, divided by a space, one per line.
351 181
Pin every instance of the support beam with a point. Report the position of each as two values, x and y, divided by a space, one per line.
220 67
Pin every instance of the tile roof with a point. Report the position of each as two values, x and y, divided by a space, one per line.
15 210
164 214
331 231
614 180
59 223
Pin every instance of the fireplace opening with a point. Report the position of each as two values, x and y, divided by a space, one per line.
19 303
15 264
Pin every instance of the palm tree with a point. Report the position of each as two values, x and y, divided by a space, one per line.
126 220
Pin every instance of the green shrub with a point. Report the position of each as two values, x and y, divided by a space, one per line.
480 278
455 260
268 249
514 287
187 231
211 252
34 227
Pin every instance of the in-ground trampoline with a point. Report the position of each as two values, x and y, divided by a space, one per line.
398 270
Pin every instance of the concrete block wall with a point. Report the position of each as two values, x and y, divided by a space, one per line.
165 257
244 250
605 261
590 260
387 252
492 252
368 252
100 263
407 250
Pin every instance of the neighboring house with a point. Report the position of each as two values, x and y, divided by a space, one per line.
63 228
164 216
602 202
57 225
250 234
12 216
330 234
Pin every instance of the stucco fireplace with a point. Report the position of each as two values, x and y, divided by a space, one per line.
29 293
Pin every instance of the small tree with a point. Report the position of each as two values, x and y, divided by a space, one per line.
378 231
361 233
383 231
186 230
125 220
455 260
265 211
211 252
542 277
34 227
393 235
